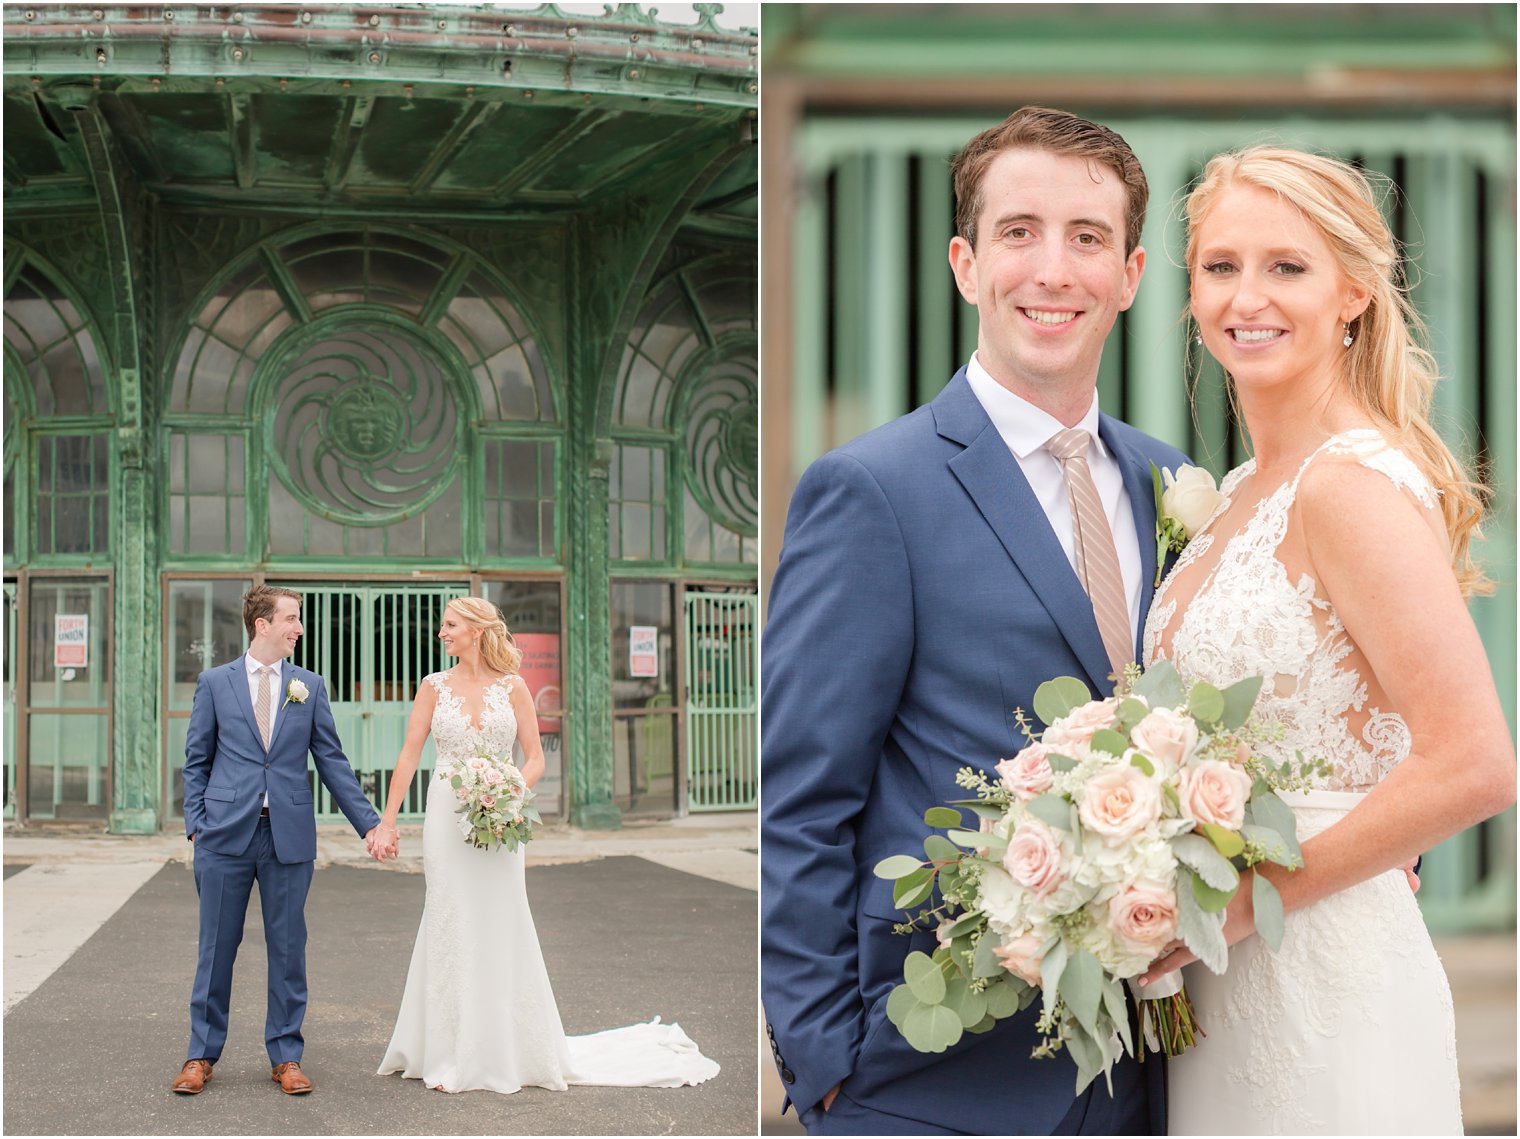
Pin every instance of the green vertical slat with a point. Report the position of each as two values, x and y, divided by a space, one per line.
936 361
810 304
882 390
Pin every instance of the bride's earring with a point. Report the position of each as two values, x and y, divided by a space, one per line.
1349 338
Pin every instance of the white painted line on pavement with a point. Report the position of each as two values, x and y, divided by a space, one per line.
53 909
732 867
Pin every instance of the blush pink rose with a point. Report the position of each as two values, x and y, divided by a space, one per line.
1118 803
478 764
1077 727
1215 792
1144 916
1021 957
1029 773
1242 754
1033 859
462 792
1165 735
493 776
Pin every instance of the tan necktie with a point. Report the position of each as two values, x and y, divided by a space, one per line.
264 709
1097 560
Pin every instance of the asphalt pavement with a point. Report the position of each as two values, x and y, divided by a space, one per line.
93 1040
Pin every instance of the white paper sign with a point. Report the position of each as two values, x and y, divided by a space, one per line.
643 650
71 640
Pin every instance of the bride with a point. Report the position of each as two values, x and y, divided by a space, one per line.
1337 567
478 1012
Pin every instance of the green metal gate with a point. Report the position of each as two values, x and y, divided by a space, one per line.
373 643
10 699
721 701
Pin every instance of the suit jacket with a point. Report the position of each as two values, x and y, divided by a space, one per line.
921 597
227 770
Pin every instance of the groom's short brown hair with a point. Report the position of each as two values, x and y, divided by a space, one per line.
1056 132
260 602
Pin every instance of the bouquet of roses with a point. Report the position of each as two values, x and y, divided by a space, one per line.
495 802
1124 825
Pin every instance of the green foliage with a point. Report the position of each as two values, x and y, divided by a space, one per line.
1051 808
938 848
1227 842
1202 932
1145 765
1082 988
1131 712
1161 686
1268 844
911 889
942 817
1206 703
1060 763
897 866
1058 697
1110 741
1239 699
964 1001
1199 854
899 1002
931 1027
925 977
1267 810
1269 911
1208 898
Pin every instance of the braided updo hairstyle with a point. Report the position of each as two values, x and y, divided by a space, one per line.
497 651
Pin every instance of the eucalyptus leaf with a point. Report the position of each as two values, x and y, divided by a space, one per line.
986 1024
982 808
931 1028
938 848
1060 763
906 899
1199 853
1003 996
1208 898
985 962
1088 1056
1239 699
1108 740
924 977
1146 766
1051 969
1269 911
1206 702
1160 687
1227 842
1272 844
1058 697
942 817
1051 808
1201 932
968 839
897 866
1082 988
900 1002
965 1002
1268 810
964 924
1118 1011
1131 712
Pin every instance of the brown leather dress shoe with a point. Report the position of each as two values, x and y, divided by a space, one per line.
291 1079
193 1077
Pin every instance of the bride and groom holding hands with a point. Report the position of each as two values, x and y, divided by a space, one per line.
937 570
478 1011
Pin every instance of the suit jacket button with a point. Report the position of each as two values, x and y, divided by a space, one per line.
787 1077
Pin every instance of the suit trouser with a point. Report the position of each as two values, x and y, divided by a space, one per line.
224 882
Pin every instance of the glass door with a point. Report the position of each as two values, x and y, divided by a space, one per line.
68 711
12 672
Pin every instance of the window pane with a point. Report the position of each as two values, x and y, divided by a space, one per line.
68 760
205 630
68 663
644 763
641 603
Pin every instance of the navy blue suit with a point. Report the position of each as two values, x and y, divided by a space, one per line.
921 597
227 773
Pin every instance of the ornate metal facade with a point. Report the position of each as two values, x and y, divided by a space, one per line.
379 302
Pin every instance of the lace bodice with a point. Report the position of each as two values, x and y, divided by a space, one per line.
457 738
1250 616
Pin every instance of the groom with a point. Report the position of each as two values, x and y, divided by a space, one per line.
249 814
934 572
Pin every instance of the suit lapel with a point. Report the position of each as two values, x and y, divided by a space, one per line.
1136 469
992 478
237 677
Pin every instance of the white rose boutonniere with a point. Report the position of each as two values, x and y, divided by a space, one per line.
296 691
1185 501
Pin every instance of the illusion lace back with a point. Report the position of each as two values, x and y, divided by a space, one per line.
1348 1029
476 1015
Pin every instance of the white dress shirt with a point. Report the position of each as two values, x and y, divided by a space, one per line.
255 679
1026 429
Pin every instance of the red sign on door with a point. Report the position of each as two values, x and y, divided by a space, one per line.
540 670
71 640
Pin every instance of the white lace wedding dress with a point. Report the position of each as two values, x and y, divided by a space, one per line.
478 1012
1348 1029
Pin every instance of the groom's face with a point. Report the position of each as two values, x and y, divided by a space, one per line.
1049 275
277 637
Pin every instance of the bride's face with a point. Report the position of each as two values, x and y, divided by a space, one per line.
456 634
1269 297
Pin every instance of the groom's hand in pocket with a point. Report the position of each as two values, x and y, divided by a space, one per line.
830 1095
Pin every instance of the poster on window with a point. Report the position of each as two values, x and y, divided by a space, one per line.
540 670
71 640
643 650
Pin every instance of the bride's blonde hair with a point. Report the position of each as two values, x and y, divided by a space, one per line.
1387 369
496 648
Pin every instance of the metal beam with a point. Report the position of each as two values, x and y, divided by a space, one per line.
474 116
240 138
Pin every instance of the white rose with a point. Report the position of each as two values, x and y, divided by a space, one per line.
1034 859
1118 803
1190 497
1165 736
297 692
1215 792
